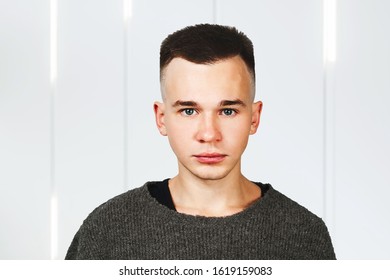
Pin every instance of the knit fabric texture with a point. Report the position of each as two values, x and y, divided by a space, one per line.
134 225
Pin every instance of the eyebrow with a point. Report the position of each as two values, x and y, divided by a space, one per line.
185 103
223 103
232 102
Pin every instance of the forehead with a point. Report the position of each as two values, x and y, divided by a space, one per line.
224 79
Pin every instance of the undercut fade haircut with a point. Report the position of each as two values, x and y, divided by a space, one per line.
207 44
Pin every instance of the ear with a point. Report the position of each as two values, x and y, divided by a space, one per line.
256 112
159 113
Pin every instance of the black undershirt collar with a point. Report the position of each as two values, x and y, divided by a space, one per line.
160 191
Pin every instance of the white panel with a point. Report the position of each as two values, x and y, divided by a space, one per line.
150 156
288 148
24 130
362 130
89 110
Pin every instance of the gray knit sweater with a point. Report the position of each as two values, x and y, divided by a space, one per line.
134 225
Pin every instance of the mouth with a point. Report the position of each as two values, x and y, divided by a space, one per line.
210 158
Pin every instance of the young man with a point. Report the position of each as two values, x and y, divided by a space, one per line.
209 210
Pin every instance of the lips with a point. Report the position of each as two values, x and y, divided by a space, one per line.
210 158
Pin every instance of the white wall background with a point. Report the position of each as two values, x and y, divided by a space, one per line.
77 126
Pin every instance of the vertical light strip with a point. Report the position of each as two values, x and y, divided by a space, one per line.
127 14
53 86
330 23
329 53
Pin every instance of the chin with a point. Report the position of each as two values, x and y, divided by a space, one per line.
210 174
210 178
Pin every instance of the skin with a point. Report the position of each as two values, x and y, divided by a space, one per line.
208 114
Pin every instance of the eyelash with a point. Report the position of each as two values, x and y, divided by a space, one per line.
233 111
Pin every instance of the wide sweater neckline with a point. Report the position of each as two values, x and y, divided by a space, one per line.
165 212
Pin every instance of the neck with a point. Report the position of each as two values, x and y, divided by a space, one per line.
220 197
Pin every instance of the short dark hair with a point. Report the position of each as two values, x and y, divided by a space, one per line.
207 44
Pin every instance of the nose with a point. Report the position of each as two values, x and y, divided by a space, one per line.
208 129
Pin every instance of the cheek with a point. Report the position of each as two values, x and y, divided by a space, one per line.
179 135
177 129
236 134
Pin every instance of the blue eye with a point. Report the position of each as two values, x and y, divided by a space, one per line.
188 112
228 112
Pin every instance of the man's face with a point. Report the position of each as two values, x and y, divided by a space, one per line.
208 115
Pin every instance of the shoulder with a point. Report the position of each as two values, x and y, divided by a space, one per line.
283 206
127 202
109 221
299 225
130 208
284 211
